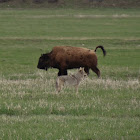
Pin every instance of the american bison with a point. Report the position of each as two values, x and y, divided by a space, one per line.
67 57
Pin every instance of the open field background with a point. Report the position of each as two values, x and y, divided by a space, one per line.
105 108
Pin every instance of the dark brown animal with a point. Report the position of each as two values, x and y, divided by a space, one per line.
66 57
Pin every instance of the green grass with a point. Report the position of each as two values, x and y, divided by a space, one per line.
105 108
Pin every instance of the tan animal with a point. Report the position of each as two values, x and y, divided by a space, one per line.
73 80
67 57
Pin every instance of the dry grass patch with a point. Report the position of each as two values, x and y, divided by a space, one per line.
113 84
46 82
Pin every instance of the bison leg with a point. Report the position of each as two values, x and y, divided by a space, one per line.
59 73
62 72
96 70
86 70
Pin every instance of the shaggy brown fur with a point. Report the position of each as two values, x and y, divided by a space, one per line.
67 57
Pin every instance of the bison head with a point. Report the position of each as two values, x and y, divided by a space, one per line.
44 62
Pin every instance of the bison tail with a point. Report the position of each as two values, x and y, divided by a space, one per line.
101 47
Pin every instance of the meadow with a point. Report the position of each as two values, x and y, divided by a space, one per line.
105 108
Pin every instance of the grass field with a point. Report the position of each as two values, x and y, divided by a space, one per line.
105 108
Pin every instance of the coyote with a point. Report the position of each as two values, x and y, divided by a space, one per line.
73 80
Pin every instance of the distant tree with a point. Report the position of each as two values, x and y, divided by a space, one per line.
95 0
38 1
4 0
52 1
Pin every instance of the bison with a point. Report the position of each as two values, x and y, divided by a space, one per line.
67 57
